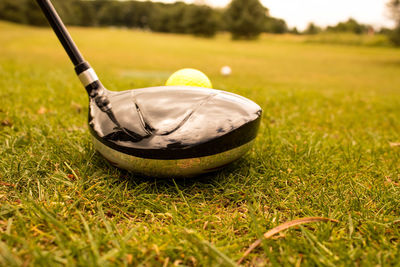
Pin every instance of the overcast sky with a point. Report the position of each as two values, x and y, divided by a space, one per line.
323 12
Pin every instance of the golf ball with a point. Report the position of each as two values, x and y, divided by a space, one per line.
189 77
226 71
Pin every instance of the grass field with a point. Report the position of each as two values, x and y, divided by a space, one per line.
350 39
328 146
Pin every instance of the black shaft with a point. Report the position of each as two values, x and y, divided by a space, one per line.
61 32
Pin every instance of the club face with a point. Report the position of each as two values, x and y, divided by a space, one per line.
178 131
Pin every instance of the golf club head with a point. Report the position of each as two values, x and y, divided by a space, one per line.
162 131
174 131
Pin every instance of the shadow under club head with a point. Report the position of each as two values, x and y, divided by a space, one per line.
174 131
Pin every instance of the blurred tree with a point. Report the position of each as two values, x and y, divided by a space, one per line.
168 18
312 29
200 20
385 31
21 11
246 18
138 14
88 12
274 25
70 11
33 15
28 12
394 8
395 36
219 15
13 10
351 25
176 13
294 31
112 13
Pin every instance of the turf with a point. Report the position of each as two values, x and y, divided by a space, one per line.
328 146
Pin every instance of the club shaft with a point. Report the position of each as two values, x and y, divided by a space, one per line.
61 31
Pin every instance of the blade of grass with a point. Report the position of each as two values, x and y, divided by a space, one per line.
224 260
6 256
281 228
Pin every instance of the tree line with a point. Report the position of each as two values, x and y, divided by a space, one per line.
160 17
394 8
245 19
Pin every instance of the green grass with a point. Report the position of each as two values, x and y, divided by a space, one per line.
330 114
350 39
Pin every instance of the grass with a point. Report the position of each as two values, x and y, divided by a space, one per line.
331 116
350 39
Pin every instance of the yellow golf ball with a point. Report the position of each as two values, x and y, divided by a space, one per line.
189 77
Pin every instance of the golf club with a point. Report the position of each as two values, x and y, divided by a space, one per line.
168 131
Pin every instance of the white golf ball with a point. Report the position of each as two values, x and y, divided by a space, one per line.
226 71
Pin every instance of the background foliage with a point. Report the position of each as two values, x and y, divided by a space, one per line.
394 8
245 19
159 17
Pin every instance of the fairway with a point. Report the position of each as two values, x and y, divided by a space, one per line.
329 146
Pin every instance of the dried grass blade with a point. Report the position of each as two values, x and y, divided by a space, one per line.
281 228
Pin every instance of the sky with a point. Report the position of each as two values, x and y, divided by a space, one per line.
298 13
